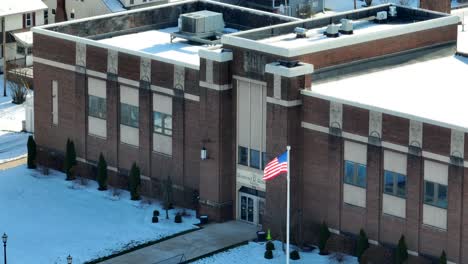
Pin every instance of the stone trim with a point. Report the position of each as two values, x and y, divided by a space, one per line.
302 69
240 78
284 103
217 87
215 55
81 54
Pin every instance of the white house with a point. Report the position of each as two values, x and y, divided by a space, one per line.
17 17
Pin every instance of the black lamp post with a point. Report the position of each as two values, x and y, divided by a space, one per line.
69 259
4 238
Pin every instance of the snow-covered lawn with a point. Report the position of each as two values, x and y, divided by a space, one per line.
12 141
47 218
252 253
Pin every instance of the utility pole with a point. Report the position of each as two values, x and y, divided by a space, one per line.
355 5
4 57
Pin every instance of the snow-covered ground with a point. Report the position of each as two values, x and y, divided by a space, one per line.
253 253
12 141
47 218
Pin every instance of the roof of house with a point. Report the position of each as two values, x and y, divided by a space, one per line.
12 7
114 5
432 91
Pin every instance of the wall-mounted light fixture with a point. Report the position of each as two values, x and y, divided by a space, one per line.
203 154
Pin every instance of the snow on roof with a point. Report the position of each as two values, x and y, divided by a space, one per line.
432 91
317 34
158 42
11 7
114 5
26 38
346 5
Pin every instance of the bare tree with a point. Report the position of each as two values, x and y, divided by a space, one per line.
19 86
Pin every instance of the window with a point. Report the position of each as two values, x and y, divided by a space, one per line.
129 115
54 102
254 158
46 17
162 123
97 107
53 11
264 160
132 2
29 51
20 49
72 15
435 194
243 156
395 184
28 20
355 174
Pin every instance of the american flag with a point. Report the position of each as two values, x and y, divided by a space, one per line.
275 167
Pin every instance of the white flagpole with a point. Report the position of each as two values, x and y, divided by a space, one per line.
287 206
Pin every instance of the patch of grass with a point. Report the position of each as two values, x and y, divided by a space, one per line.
147 244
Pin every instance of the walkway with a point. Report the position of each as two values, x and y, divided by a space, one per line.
13 163
210 238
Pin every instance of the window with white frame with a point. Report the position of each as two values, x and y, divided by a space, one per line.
395 184
435 194
355 174
129 115
97 107
28 19
162 123
46 17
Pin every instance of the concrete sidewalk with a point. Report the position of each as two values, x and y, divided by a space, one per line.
209 239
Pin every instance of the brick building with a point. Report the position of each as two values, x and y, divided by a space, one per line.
137 88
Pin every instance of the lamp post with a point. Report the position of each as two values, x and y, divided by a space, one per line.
4 238
69 259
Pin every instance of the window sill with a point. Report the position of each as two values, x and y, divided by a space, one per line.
355 185
391 194
161 154
129 145
436 206
97 136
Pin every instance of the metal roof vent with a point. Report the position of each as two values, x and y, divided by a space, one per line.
300 32
381 17
346 26
332 31
288 63
393 11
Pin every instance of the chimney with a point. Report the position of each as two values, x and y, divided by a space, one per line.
60 12
436 5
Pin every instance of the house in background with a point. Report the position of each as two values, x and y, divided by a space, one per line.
17 17
299 8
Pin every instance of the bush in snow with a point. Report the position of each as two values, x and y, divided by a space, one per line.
31 153
401 254
337 257
134 182
19 86
294 255
167 189
102 173
269 246
155 219
155 213
70 160
178 218
362 244
268 254
324 234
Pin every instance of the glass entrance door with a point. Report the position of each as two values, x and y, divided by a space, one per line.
247 208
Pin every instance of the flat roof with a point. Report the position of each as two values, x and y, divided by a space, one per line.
432 91
12 7
158 42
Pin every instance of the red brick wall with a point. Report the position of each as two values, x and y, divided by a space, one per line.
356 120
316 111
95 57
436 139
436 5
129 66
395 129
381 47
54 49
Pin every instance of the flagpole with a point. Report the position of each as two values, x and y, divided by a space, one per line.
287 207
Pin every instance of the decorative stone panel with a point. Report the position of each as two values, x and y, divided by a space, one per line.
416 134
277 86
179 77
375 124
209 71
81 54
112 61
336 115
457 144
145 69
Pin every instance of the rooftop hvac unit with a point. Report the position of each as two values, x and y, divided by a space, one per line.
332 31
300 32
202 22
346 26
381 17
393 11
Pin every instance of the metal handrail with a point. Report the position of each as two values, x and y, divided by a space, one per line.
178 259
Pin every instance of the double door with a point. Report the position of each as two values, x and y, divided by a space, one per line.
251 208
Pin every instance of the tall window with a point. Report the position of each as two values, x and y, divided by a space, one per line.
132 2
355 174
46 17
435 194
129 115
97 107
28 19
252 158
162 123
395 184
243 156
